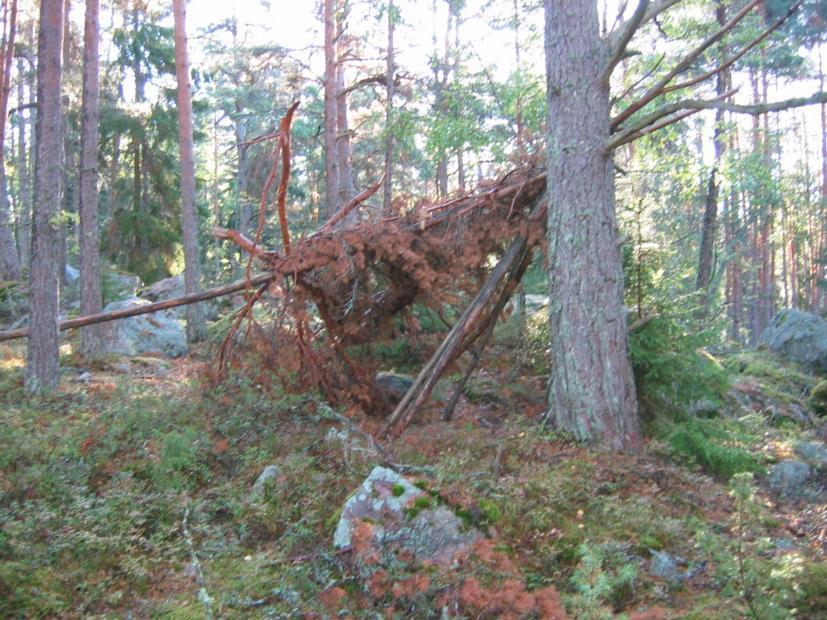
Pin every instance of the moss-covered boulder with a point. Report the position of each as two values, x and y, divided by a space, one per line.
799 337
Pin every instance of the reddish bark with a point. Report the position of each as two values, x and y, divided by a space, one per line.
196 327
91 299
592 391
42 365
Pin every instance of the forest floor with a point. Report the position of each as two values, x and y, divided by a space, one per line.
128 493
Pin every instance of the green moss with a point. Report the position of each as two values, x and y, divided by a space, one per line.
717 449
818 398
490 512
398 490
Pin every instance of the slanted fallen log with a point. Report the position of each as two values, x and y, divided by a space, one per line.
510 269
104 317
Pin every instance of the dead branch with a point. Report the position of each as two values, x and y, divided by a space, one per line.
738 55
349 206
657 90
104 317
619 40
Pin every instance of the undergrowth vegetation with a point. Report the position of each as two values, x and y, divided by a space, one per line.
131 491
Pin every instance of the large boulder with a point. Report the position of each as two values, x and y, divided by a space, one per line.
120 285
798 336
172 287
789 476
160 333
389 515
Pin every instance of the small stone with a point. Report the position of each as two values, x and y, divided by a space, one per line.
393 386
665 566
788 476
271 472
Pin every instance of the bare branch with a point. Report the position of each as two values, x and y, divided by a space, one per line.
758 108
655 116
630 136
683 65
674 112
652 11
714 71
619 40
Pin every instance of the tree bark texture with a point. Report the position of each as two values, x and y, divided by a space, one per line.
330 111
24 237
591 390
709 228
91 299
9 260
196 327
387 197
42 357
345 181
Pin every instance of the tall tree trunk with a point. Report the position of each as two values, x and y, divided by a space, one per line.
196 327
390 75
25 204
91 300
9 260
345 180
42 357
245 212
67 189
709 229
818 295
591 390
330 110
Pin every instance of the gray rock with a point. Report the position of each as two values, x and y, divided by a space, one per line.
384 500
72 275
788 476
118 285
798 336
673 567
394 386
271 472
159 333
813 452
665 566
172 287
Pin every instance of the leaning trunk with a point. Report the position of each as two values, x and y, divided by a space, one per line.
42 366
591 390
196 328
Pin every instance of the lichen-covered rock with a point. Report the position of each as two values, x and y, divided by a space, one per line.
120 286
172 287
388 514
813 452
788 476
798 336
160 333
673 567
271 472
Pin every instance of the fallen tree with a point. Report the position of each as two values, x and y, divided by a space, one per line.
320 298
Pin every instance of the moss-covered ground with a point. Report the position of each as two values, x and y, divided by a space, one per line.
128 493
